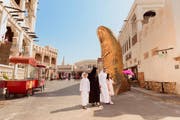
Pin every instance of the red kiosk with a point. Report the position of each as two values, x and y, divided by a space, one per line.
26 85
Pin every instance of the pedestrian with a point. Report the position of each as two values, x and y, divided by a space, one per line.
84 89
110 83
94 95
104 88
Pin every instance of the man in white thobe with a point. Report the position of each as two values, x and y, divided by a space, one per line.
84 89
104 97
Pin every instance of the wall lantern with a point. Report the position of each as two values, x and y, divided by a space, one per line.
164 52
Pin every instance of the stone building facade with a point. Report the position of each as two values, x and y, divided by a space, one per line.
47 56
17 19
85 65
150 39
65 71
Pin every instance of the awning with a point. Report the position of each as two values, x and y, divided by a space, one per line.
23 60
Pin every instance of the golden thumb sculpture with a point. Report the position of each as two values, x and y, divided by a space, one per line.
111 54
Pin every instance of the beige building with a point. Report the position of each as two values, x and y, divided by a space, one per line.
47 56
17 24
65 71
85 65
150 40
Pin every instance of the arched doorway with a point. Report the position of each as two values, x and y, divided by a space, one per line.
38 57
6 47
47 60
53 61
9 35
147 15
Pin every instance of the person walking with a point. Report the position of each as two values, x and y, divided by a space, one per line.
94 94
104 88
110 83
84 89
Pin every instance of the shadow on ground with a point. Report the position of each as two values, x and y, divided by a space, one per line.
68 91
77 107
131 103
13 97
135 104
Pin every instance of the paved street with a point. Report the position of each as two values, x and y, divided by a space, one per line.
61 101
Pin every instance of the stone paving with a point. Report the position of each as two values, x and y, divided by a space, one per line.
61 101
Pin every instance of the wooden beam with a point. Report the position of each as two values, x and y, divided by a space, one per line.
33 36
13 8
31 32
15 15
19 19
16 11
25 27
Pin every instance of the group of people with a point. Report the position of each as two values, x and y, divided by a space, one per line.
96 88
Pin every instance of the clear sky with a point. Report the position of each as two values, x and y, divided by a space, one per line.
70 25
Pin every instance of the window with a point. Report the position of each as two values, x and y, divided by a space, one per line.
134 39
148 15
129 42
126 45
9 34
128 56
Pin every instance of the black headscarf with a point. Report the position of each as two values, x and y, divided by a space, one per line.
93 72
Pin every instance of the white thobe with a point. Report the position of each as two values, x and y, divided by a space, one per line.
110 87
104 97
84 88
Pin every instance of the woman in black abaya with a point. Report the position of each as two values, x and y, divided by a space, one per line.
94 94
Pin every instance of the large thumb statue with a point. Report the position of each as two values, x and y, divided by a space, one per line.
111 54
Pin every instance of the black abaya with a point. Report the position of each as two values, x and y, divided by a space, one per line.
94 95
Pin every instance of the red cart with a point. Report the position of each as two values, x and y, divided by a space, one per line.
40 82
26 85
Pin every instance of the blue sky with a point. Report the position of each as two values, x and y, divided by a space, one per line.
70 25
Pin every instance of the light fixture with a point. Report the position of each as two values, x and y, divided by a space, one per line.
164 50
